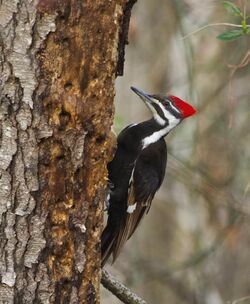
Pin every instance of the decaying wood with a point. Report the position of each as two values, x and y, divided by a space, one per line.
58 63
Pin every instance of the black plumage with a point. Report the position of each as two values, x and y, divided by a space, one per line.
138 168
142 172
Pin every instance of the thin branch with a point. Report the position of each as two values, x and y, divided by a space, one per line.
241 300
234 68
119 290
211 25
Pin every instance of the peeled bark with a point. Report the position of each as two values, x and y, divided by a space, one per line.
58 64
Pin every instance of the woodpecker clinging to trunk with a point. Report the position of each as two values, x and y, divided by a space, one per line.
138 167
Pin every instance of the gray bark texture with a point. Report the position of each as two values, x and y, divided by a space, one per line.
58 61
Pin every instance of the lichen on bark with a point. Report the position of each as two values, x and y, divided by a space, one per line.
21 225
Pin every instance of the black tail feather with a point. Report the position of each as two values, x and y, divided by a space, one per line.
107 241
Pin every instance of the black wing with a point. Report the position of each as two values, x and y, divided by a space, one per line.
146 179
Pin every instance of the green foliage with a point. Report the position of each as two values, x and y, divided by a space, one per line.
232 8
118 122
245 27
235 34
230 35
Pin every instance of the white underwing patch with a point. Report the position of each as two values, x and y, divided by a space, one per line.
108 197
107 202
131 208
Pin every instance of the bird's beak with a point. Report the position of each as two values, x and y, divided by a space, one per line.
144 96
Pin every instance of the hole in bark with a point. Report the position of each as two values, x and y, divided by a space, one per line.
77 173
85 75
65 12
65 41
64 118
68 86
100 139
59 157
89 127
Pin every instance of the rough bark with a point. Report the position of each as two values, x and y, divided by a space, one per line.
58 64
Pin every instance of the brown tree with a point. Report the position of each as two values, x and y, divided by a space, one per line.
58 64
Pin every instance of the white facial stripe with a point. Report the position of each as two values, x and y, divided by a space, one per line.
163 108
166 113
157 117
173 107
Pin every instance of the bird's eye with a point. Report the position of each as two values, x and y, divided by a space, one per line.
165 103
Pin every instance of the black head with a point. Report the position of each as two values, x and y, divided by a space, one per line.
167 110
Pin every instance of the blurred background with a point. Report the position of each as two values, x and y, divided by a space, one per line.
194 245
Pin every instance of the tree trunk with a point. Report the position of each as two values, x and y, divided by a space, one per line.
58 63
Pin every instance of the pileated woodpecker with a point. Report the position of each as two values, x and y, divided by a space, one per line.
137 169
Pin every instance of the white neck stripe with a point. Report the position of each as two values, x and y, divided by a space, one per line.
159 120
173 122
